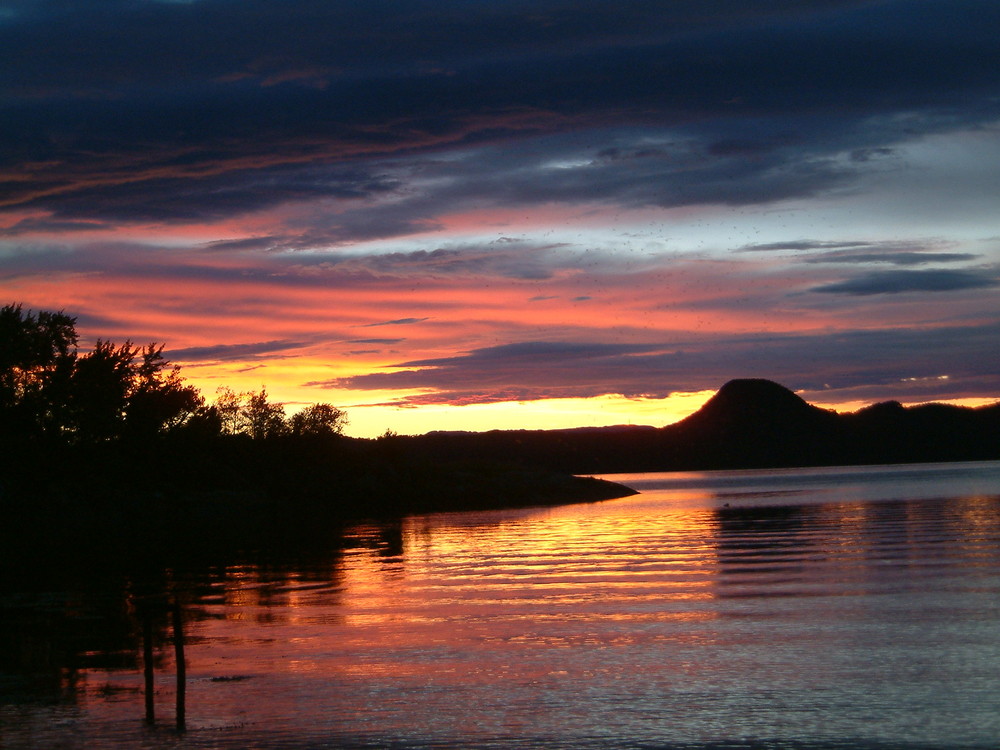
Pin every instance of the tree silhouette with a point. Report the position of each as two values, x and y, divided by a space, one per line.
37 352
48 388
318 420
158 400
249 413
264 418
99 391
126 391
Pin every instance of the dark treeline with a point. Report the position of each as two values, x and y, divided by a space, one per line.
747 424
51 394
112 444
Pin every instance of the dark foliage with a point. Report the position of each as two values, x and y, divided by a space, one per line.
112 445
51 394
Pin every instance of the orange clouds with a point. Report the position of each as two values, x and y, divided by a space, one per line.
321 326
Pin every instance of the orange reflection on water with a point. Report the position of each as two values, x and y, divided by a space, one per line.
467 600
462 626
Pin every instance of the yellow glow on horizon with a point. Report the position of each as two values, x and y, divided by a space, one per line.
543 414
845 407
371 412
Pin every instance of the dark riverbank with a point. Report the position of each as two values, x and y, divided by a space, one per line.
748 424
178 496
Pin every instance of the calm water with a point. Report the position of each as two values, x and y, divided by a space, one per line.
826 608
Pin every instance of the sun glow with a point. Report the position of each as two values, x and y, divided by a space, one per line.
544 414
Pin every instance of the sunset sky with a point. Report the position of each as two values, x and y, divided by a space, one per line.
456 214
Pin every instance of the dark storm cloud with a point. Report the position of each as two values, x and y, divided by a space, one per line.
397 322
534 352
895 258
851 251
513 260
154 111
231 352
810 362
125 260
247 244
683 172
518 260
509 372
35 225
257 350
265 45
897 282
330 229
801 245
207 197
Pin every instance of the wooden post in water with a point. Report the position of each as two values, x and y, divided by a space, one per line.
178 628
147 662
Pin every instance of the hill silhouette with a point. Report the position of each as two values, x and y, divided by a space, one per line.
753 404
755 423
748 423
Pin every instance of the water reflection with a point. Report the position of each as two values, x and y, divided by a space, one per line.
687 614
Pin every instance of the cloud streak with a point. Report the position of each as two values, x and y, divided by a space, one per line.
237 352
807 362
899 282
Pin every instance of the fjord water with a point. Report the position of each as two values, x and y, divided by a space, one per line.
812 608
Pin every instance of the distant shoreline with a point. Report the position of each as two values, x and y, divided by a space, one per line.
183 491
